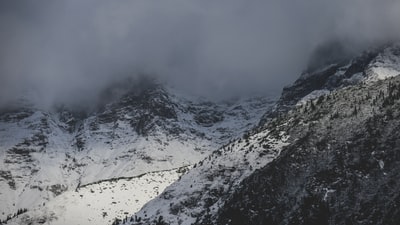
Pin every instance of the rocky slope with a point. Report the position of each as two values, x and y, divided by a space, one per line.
53 157
327 150
340 168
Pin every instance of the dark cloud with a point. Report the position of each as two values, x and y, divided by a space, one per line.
71 50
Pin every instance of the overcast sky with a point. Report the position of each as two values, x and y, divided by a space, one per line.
70 50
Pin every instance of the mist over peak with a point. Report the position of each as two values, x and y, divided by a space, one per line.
72 51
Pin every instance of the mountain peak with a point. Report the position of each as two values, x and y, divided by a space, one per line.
371 65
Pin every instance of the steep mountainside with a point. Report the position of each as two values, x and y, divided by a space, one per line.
332 129
52 157
342 166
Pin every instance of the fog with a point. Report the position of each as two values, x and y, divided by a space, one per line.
69 51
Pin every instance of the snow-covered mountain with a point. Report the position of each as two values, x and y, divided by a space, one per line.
332 132
67 167
310 152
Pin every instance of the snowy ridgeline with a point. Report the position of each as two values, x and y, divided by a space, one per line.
46 155
384 65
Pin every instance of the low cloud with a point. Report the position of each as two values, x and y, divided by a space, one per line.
70 51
